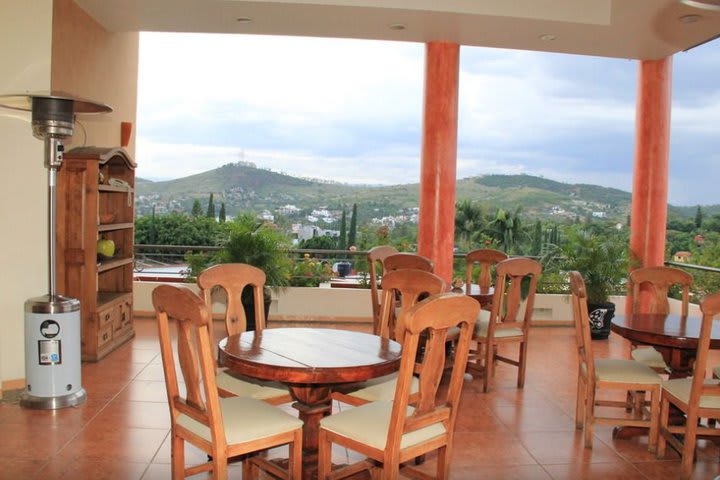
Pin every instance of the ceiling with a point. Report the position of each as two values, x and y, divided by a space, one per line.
638 29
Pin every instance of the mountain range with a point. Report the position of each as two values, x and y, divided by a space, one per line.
244 187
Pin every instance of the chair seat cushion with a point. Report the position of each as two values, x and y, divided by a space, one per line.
716 371
680 388
482 323
648 356
381 388
625 371
248 387
245 419
369 424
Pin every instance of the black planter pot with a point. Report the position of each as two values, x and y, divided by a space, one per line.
249 307
600 316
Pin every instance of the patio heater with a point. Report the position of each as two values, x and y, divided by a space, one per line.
52 322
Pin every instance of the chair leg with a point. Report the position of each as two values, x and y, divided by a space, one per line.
521 366
664 418
589 415
580 404
220 467
443 463
178 457
489 357
654 419
295 449
688 450
324 455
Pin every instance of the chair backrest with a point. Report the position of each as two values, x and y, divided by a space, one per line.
486 257
401 290
377 255
710 307
659 280
581 318
399 261
232 278
512 301
194 357
426 325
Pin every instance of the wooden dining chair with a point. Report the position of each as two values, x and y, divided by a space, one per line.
658 280
609 374
398 261
220 427
401 290
232 279
509 319
395 431
376 257
697 397
486 258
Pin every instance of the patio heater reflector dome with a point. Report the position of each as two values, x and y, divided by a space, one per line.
52 322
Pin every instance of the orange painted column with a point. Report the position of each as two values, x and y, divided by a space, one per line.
436 227
652 158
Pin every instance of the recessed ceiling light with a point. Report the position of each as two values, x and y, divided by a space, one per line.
705 4
244 20
547 37
397 26
690 18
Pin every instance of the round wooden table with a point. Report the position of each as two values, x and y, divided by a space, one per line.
674 336
483 296
310 361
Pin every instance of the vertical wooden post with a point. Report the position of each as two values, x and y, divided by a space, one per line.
436 227
650 171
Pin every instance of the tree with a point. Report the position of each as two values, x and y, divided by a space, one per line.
153 228
537 238
469 222
352 235
506 229
211 208
342 241
196 208
698 217
221 215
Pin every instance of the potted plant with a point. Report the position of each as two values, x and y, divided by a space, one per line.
254 242
601 258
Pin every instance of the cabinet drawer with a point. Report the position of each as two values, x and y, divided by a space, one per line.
105 335
106 317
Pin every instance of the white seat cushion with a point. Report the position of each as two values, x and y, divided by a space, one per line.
625 371
245 419
481 327
382 388
247 387
680 387
716 371
648 356
369 424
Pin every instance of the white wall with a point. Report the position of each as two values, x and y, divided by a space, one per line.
25 50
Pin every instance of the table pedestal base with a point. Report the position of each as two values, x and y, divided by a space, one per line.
313 403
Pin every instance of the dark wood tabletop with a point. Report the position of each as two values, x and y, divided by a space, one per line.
484 296
310 361
674 336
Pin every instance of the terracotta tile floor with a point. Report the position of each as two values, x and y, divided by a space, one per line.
121 432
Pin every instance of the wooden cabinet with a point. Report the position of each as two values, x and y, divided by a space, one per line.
96 200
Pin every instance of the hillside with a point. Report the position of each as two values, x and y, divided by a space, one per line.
243 187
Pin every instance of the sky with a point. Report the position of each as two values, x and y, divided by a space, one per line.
351 111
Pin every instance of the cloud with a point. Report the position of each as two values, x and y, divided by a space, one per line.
351 110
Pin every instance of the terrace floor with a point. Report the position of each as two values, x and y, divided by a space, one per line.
122 431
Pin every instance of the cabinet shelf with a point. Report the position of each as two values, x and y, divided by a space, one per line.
111 188
106 265
114 226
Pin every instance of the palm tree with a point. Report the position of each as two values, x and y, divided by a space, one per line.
506 229
469 223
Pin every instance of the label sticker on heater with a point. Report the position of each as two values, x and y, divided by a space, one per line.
50 352
49 329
